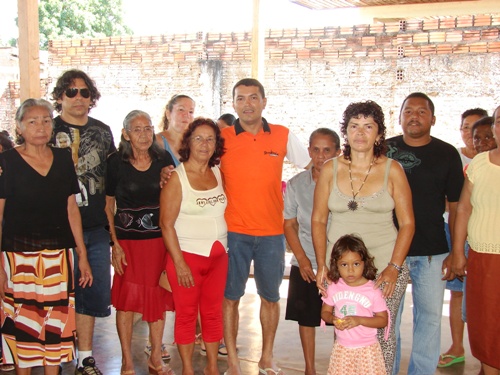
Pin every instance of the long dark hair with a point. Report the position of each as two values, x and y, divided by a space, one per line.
185 150
351 242
365 109
125 149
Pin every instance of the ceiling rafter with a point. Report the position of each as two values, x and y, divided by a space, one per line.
335 4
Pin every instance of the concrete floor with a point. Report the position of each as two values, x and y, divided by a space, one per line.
288 351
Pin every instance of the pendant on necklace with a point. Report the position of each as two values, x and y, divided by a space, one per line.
352 205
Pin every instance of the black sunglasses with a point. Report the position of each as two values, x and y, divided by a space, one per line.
72 92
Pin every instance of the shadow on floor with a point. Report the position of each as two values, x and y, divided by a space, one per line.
288 351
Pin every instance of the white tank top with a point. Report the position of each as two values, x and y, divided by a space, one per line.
201 217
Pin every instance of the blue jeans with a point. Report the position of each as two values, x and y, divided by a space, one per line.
427 295
95 300
268 255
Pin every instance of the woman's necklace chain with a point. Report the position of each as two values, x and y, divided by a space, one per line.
352 204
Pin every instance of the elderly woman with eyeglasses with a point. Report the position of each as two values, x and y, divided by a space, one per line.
192 207
138 251
40 224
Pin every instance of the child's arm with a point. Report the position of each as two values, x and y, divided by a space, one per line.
327 313
328 316
379 320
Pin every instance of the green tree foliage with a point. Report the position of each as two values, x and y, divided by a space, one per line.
61 19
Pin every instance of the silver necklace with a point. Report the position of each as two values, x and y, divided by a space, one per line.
352 204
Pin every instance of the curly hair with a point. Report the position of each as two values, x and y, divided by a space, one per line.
366 109
185 150
66 80
169 107
354 243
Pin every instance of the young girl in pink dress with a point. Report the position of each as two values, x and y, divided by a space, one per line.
355 308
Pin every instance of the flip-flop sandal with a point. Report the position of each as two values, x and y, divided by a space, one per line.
454 360
223 351
265 370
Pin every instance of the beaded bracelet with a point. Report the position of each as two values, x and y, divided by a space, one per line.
399 268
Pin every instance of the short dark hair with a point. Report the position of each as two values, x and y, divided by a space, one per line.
125 149
484 121
170 106
227 118
185 150
5 140
354 243
366 109
329 133
420 95
250 82
473 112
66 79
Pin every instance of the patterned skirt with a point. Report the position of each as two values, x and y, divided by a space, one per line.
38 311
366 360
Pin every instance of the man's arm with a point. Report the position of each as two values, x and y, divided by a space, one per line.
297 153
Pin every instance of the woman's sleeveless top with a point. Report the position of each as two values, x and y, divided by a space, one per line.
201 217
372 221
167 147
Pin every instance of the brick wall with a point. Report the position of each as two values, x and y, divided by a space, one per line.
310 75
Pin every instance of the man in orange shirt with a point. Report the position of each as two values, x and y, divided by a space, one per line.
252 167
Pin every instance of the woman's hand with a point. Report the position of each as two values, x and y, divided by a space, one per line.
86 278
388 279
447 269
3 283
184 276
459 264
322 281
165 174
306 270
118 259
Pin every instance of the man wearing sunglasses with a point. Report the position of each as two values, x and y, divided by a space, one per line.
91 141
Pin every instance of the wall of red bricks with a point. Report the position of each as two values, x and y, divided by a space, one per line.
310 75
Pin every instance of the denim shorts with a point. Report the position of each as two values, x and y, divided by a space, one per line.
268 255
95 300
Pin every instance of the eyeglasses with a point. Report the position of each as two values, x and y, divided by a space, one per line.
199 139
73 91
146 129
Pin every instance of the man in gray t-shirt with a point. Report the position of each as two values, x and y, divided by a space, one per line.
304 303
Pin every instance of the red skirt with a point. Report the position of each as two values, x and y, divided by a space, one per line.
483 302
137 289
